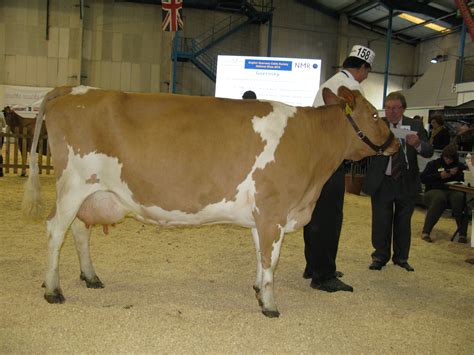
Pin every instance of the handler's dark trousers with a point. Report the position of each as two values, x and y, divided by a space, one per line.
437 201
321 234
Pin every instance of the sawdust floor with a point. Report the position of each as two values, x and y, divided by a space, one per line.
189 290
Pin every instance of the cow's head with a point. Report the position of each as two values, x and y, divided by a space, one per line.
10 117
7 113
6 110
370 129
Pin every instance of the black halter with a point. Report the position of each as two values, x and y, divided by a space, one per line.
377 148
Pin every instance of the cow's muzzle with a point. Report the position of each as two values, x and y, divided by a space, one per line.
378 149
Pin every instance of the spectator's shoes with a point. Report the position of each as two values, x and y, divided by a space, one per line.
376 265
462 239
331 285
426 238
404 265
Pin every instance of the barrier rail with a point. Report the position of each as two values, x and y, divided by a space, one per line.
15 153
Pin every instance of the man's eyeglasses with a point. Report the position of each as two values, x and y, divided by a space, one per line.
393 108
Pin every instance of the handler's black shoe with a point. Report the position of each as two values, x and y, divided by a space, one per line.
308 274
331 285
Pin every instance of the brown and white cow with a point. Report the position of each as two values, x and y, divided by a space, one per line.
173 159
14 121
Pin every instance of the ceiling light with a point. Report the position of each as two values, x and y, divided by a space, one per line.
438 58
417 20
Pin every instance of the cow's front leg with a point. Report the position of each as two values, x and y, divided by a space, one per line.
270 238
258 278
81 235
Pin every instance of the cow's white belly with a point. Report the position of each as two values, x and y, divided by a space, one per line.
95 180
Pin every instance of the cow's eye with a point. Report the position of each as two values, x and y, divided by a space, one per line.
375 116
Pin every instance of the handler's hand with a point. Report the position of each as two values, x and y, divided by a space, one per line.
413 140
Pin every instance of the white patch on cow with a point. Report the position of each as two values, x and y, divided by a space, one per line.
80 106
271 129
290 226
277 246
81 89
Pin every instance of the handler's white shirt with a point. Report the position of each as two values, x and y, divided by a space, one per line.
343 78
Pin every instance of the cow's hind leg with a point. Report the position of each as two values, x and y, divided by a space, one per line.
81 235
57 225
56 229
270 238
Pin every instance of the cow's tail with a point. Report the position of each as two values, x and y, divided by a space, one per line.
31 204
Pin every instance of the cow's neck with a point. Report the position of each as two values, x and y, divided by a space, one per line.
337 134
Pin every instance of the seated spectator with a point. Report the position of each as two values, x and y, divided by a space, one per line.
439 135
438 196
464 138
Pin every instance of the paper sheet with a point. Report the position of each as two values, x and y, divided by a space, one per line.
402 133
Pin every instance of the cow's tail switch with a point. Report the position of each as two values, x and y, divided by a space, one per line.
31 205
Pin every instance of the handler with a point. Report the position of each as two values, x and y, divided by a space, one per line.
321 234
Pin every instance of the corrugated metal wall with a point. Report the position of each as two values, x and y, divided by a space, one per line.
120 45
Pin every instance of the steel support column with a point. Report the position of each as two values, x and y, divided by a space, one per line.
460 71
387 54
174 56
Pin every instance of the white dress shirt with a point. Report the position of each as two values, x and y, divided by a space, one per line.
343 78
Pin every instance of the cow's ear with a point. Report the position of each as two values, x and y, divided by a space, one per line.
347 95
331 98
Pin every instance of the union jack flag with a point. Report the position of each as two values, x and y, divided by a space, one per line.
171 13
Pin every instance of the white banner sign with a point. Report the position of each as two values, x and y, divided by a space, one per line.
294 81
24 100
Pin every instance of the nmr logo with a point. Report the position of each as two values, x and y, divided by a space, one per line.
302 65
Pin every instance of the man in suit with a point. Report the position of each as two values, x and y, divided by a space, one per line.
321 234
393 184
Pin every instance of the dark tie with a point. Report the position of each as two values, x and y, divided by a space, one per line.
396 163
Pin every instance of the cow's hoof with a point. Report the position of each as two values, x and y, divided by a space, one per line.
57 297
271 314
93 283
